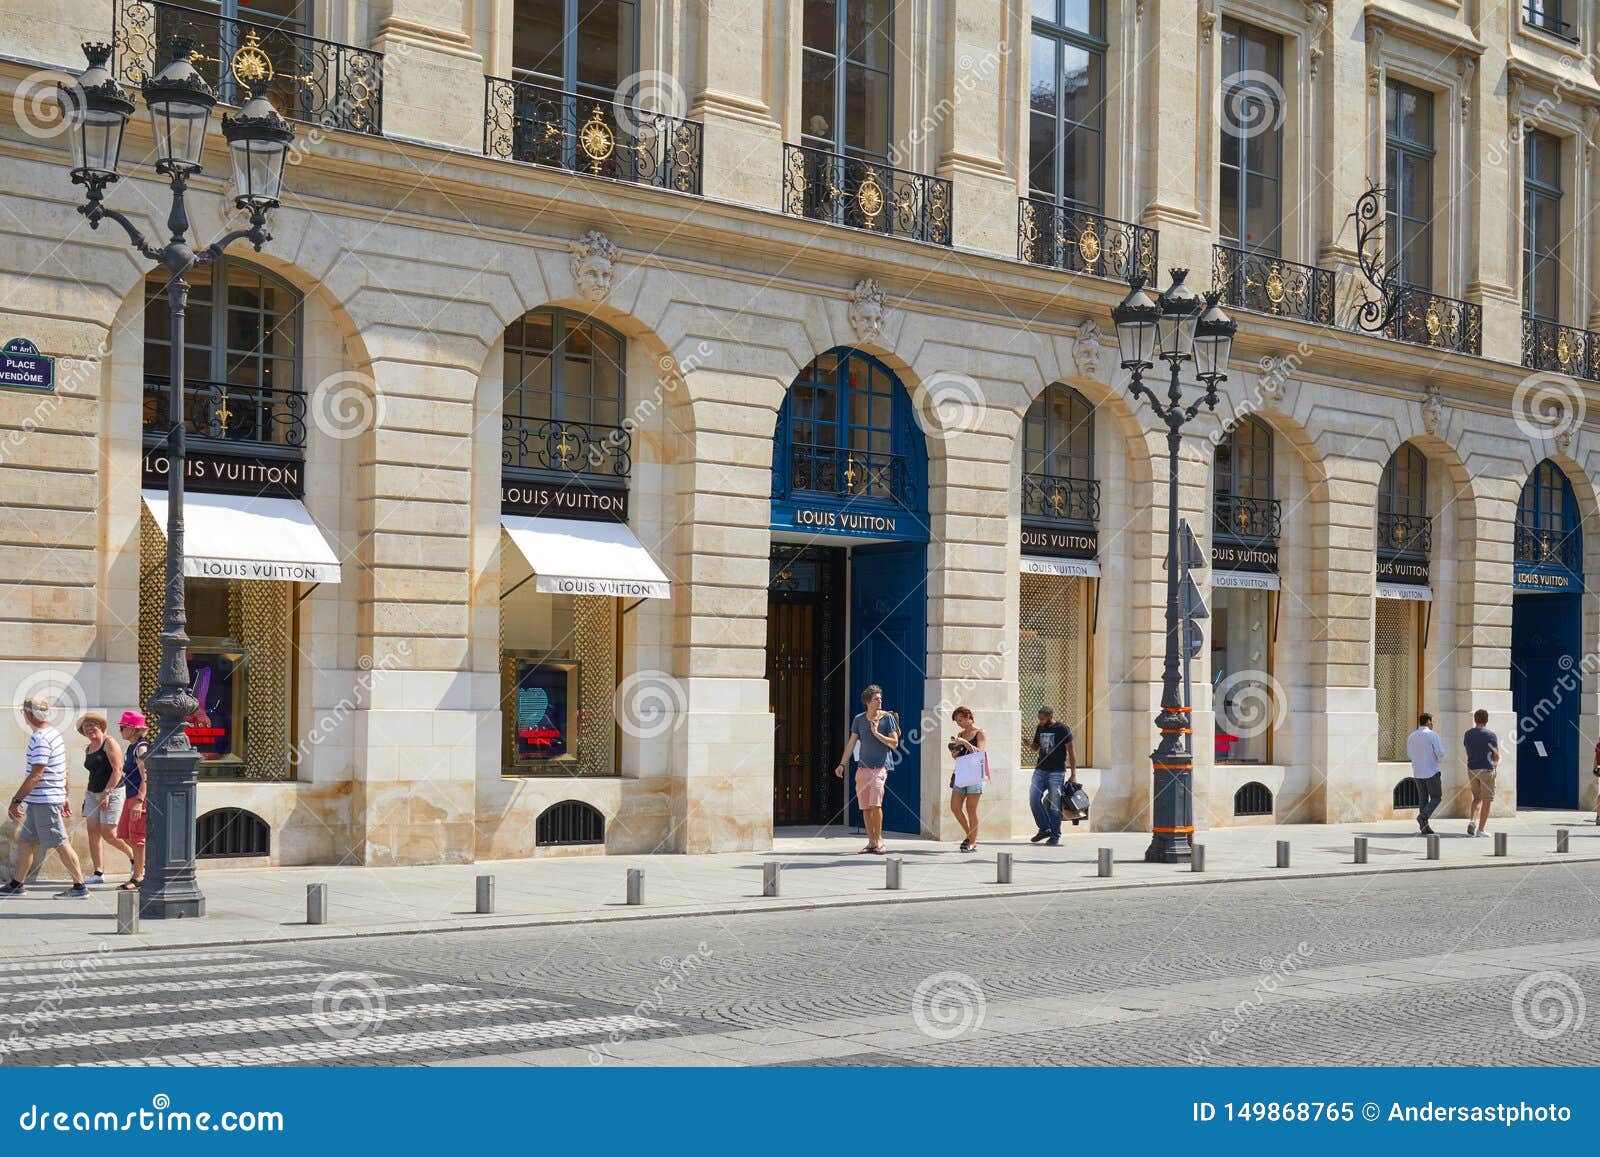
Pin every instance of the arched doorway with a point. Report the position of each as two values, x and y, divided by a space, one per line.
847 603
1546 640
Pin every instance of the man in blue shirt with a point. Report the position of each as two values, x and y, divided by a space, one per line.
1483 757
1426 751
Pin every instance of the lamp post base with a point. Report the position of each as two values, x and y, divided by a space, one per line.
171 890
1169 848
1173 809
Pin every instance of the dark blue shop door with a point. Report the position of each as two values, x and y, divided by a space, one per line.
1545 685
888 646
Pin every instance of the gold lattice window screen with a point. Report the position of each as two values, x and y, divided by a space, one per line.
152 573
1052 657
1394 672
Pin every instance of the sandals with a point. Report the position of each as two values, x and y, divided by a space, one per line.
131 886
967 846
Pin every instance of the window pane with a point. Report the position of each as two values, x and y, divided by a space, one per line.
1230 206
866 111
605 44
536 40
1080 182
867 30
1042 155
1263 150
1080 85
1042 76
1045 10
1261 214
1417 199
1082 16
816 99
820 28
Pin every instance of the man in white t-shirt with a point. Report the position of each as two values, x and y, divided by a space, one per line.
41 804
1426 751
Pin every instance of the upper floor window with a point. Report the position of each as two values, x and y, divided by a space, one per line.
847 77
1066 103
1408 166
1541 226
1551 16
583 46
1252 138
1403 503
1548 530
1241 482
241 360
564 390
1058 435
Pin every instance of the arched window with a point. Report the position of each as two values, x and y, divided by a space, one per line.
1058 457
1547 520
565 385
1403 523
1242 483
242 357
850 433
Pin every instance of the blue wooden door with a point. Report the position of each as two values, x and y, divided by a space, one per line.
1545 682
888 646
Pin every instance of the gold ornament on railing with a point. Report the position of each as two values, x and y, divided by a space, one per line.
869 197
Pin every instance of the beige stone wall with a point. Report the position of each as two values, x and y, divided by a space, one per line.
414 253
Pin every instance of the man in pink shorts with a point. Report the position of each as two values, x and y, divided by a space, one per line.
879 736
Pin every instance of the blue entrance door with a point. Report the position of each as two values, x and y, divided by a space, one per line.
1545 683
888 646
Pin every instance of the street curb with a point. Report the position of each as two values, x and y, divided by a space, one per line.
871 899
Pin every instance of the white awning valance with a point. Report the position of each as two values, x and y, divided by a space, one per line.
1408 591
240 536
1244 580
1065 567
569 557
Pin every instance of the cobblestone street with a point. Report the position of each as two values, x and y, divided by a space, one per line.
1485 967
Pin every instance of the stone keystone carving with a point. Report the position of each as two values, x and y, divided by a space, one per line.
1086 351
868 312
1433 410
594 263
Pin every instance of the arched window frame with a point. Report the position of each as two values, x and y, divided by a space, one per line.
579 427
1404 527
1242 483
1548 530
1058 472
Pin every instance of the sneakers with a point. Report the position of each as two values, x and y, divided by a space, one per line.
12 889
76 892
1427 829
94 878
1052 842
1041 834
1472 829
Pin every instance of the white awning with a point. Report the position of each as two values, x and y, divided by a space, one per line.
1246 580
1066 567
586 558
1407 591
239 536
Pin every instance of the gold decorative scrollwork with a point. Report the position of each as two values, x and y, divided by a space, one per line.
1433 322
1089 247
250 64
596 138
869 197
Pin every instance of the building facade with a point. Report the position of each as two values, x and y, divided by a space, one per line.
628 384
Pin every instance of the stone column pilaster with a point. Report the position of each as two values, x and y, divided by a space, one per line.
736 99
433 86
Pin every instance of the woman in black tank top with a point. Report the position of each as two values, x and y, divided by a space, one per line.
102 805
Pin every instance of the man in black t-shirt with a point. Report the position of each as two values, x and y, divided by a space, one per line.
1053 742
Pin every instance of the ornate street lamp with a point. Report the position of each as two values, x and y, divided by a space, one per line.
179 102
1178 327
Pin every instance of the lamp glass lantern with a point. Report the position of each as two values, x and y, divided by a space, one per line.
1180 312
96 111
1213 342
1135 318
258 144
180 104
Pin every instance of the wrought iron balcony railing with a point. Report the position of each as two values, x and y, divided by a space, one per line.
228 412
1545 15
1560 348
1410 535
850 473
865 194
316 81
565 447
1431 319
1544 547
1076 240
1268 284
1249 520
588 134
1064 499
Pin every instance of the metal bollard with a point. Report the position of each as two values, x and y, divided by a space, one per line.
770 874
1105 862
1561 839
1197 862
892 873
485 894
1283 853
1500 841
636 885
1361 849
316 903
127 913
1433 847
1002 868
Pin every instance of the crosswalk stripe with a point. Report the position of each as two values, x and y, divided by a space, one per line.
131 960
352 1023
128 973
199 985
308 1052
211 1004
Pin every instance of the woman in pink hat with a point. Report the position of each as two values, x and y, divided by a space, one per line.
130 824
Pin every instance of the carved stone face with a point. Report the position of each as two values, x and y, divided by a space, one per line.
593 271
866 317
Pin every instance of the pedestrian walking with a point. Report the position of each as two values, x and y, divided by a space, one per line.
967 781
136 781
1053 741
1483 758
102 801
875 734
40 805
1426 751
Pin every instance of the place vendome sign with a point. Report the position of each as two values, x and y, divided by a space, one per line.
23 367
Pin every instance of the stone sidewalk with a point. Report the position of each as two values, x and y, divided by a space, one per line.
820 869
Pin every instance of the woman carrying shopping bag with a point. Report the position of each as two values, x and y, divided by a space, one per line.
972 770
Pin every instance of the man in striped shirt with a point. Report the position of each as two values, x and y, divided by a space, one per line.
41 804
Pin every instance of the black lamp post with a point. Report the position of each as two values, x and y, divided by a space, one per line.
1177 327
180 103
